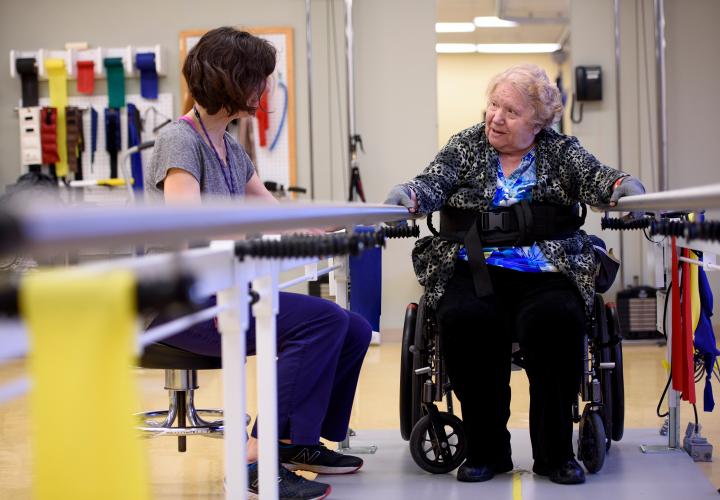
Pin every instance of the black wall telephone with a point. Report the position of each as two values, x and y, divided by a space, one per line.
588 87
588 83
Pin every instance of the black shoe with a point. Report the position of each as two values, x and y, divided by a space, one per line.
477 473
569 472
541 468
318 459
290 486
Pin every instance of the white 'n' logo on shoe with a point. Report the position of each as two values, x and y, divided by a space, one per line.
305 456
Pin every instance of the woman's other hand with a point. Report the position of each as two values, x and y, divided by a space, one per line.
404 196
627 186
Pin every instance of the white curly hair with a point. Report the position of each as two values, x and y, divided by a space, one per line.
532 82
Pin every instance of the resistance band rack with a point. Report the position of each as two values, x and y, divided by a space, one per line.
96 54
701 236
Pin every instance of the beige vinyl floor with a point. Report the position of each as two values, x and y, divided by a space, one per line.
198 473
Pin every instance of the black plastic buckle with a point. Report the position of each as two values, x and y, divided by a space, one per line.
491 221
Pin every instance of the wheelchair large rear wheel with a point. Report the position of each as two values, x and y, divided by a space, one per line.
421 359
602 354
406 371
617 382
426 447
592 441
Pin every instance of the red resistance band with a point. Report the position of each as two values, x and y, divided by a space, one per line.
86 77
683 379
263 119
48 136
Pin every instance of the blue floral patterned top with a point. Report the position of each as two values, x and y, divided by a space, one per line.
511 190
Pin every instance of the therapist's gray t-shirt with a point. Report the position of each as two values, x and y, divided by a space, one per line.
180 146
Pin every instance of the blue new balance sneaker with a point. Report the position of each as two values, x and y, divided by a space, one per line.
317 458
291 486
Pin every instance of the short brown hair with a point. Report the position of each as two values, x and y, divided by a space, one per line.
227 69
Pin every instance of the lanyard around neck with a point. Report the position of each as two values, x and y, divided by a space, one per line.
226 175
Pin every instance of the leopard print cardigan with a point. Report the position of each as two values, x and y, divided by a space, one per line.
464 175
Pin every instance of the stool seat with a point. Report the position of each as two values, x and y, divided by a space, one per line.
166 357
181 419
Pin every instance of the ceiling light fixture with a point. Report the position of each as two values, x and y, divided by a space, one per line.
493 22
517 48
496 48
455 48
454 27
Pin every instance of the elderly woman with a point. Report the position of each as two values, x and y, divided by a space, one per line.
511 263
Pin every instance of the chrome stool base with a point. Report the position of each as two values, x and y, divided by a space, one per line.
182 412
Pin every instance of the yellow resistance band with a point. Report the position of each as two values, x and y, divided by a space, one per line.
57 75
694 291
83 331
113 182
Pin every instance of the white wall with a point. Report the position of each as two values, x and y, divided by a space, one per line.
592 27
395 109
397 118
693 103
395 80
462 85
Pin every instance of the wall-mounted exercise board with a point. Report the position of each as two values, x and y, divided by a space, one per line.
276 164
154 112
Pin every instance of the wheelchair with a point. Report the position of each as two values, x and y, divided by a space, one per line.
437 439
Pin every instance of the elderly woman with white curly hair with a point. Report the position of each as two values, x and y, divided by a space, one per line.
511 263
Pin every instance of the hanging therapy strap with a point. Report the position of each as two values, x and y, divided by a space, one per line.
73 120
93 135
112 138
116 81
28 71
86 77
134 129
519 225
356 185
57 74
145 62
80 349
48 136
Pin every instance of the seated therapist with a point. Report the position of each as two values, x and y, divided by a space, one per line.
320 345
537 285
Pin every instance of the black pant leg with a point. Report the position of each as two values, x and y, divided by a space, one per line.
477 347
550 324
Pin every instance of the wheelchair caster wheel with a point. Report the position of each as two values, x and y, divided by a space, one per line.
435 454
592 442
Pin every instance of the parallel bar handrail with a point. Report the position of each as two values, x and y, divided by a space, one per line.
52 227
695 198
327 270
705 265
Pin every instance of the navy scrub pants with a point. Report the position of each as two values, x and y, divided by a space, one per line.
320 348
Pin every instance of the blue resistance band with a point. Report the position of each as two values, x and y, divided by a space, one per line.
93 135
145 62
134 126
